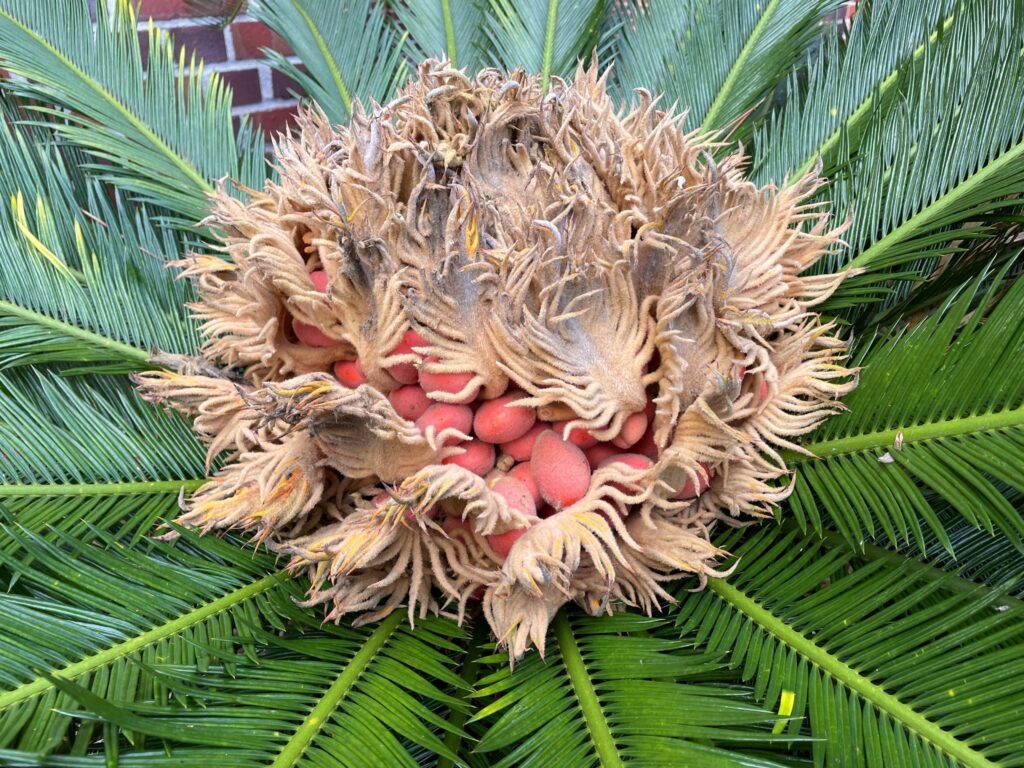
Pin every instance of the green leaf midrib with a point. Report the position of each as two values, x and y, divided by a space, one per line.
127 488
902 713
122 350
548 53
156 634
590 705
951 582
470 672
449 31
177 160
711 116
1008 418
339 82
299 742
935 209
864 108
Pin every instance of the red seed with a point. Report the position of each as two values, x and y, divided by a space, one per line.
449 383
406 373
498 422
477 457
578 436
350 373
600 452
522 473
633 429
442 416
689 491
413 339
502 543
517 494
763 390
632 460
409 402
521 448
310 335
319 278
560 469
646 445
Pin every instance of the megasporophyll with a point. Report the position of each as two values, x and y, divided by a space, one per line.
500 343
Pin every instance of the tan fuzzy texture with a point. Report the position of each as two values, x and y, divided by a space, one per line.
592 257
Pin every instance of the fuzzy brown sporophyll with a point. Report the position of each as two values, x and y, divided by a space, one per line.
491 341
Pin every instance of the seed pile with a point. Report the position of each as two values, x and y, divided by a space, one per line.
491 343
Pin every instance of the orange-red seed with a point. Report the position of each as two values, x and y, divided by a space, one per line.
498 422
448 383
502 543
310 335
578 436
689 490
598 453
409 402
560 469
319 278
477 457
442 416
406 373
521 448
350 373
522 473
633 429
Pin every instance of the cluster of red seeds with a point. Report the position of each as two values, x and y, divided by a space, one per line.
527 458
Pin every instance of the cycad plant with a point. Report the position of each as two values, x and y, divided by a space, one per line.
853 199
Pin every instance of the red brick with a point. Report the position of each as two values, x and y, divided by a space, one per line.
284 86
177 9
251 36
246 85
206 42
274 121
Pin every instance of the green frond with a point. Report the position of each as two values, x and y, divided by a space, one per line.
164 138
976 555
717 59
894 638
995 257
831 104
122 510
103 615
611 692
59 431
877 661
545 36
929 170
85 277
451 28
200 643
938 418
348 50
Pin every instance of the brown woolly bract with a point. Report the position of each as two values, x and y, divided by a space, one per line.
592 257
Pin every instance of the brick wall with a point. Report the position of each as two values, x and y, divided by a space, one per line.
234 53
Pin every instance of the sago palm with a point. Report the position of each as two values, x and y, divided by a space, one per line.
781 251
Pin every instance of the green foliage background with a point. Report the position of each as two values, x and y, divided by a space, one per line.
877 623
